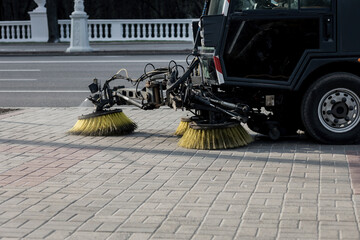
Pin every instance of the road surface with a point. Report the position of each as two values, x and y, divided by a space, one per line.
61 81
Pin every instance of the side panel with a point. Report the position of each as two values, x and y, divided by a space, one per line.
212 30
348 28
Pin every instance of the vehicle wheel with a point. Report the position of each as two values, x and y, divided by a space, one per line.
331 109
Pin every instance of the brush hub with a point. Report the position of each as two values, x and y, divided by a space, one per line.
186 120
205 126
99 113
190 119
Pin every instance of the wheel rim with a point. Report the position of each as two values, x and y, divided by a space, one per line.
339 110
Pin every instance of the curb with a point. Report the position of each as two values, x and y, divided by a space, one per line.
97 53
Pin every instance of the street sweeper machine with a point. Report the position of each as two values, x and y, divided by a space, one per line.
278 66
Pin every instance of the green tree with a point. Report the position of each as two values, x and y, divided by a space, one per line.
106 9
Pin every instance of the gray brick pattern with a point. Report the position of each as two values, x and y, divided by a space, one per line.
143 186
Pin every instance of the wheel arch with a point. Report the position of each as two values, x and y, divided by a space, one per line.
334 67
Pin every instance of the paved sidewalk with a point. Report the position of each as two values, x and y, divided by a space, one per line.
99 48
142 186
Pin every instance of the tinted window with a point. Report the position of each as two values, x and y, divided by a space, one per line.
216 7
315 3
243 5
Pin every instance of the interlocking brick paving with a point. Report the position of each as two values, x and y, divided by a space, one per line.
354 168
143 186
42 168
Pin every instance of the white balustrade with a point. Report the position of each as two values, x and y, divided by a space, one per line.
15 31
109 30
134 30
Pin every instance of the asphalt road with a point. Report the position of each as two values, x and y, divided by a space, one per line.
61 81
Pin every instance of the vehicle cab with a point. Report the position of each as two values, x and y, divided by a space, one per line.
297 59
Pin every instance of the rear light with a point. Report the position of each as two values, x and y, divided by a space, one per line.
217 64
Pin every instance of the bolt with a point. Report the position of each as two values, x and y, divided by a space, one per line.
328 112
336 120
333 102
343 100
351 108
347 118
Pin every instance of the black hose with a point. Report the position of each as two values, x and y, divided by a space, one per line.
185 76
197 37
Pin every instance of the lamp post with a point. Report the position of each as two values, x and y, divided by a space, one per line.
79 41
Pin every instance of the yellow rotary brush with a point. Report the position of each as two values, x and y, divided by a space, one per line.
215 136
103 123
183 126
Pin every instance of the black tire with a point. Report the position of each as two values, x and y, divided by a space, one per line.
330 109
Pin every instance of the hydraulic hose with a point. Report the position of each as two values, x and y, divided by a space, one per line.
197 37
185 76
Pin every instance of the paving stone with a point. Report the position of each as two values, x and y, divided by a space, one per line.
143 186
58 234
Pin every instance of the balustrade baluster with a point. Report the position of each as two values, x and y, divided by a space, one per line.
68 27
154 30
29 32
127 33
8 36
122 32
145 31
91 31
11 32
62 31
167 33
106 32
22 32
132 31
178 32
172 30
160 34
138 31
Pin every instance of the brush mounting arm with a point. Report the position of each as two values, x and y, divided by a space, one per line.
129 100
144 106
240 108
235 112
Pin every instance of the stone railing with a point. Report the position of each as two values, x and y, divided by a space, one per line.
15 31
108 30
128 30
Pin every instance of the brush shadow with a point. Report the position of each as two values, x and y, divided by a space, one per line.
286 145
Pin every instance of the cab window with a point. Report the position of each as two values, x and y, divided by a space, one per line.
216 7
243 5
315 4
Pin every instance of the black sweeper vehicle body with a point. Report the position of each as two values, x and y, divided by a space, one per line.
278 66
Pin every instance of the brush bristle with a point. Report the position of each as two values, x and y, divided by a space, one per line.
112 123
215 138
183 126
